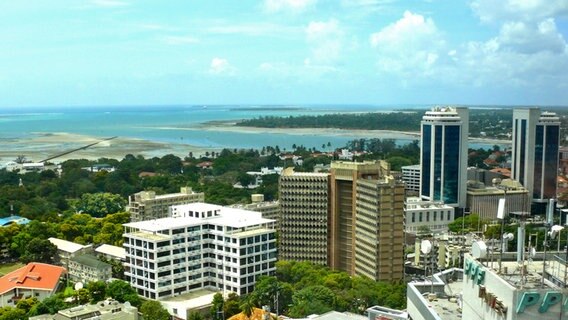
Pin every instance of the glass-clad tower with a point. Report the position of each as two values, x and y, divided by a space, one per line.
443 157
536 138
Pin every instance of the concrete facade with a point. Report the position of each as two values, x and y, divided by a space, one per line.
147 205
379 229
304 209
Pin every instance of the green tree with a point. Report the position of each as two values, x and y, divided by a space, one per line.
247 306
216 306
193 315
82 296
39 250
50 305
27 304
153 310
97 290
100 204
9 313
121 291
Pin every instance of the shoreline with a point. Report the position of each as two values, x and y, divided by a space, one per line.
43 145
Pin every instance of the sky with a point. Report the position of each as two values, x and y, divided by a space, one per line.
283 52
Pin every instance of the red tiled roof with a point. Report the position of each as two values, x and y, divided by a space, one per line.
34 276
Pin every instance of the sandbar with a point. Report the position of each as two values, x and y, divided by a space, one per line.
40 146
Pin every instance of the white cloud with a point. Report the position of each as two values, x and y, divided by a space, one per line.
180 40
512 10
252 29
410 46
220 66
109 3
325 39
529 38
273 6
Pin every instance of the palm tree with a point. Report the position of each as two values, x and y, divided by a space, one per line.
247 306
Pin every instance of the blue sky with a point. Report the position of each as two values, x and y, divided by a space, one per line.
126 52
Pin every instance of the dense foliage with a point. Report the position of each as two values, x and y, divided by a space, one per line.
303 288
400 121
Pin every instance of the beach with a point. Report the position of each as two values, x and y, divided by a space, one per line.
40 145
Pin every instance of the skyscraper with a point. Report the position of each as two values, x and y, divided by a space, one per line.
304 213
350 220
344 177
379 229
536 138
443 157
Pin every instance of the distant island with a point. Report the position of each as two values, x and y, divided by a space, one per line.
483 122
267 109
396 121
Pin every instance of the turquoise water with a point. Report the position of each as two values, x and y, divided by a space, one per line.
176 124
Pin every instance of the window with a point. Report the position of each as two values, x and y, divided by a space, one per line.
414 217
420 217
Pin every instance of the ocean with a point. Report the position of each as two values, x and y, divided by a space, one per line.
181 124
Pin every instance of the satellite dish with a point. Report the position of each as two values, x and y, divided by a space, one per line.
78 286
425 246
479 249
508 236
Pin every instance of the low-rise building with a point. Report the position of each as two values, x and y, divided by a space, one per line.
37 280
201 246
67 249
484 200
104 310
431 215
86 268
110 252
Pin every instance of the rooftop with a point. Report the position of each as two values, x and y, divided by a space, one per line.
34 275
13 220
232 217
446 304
117 252
67 246
91 261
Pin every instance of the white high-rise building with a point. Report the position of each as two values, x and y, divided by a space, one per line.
536 139
411 178
443 157
201 246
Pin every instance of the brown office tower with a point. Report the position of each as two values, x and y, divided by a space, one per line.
304 212
357 233
379 229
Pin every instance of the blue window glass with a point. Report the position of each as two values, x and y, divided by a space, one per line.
451 164
538 169
438 139
522 152
426 158
551 161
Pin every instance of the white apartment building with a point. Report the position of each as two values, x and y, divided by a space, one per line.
411 178
432 214
201 246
